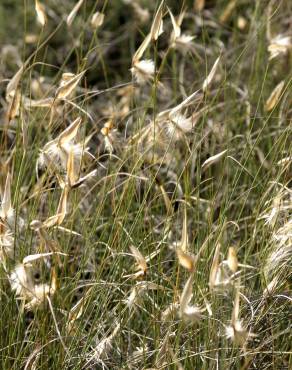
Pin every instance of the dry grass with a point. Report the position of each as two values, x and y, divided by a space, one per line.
145 217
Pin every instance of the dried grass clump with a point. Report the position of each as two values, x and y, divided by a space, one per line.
145 175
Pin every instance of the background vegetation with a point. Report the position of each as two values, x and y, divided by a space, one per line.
175 251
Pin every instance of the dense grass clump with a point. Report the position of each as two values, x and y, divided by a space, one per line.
145 218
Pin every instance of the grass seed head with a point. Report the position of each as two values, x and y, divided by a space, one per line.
68 85
232 260
279 45
189 313
97 20
41 13
211 75
140 259
157 24
73 13
186 260
143 71
273 99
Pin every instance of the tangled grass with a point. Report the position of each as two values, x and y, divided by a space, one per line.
145 217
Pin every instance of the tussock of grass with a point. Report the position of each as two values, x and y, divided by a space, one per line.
145 218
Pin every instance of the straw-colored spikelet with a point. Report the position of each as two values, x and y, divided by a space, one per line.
186 260
140 261
7 214
177 39
211 75
59 217
223 274
214 159
139 289
76 311
21 281
27 261
277 266
213 277
189 313
13 84
170 312
108 133
143 70
39 294
14 105
285 161
41 13
236 332
7 222
279 207
176 124
6 210
199 5
74 12
279 45
104 346
73 179
68 84
272 216
232 260
54 154
157 24
280 256
97 20
6 243
274 97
